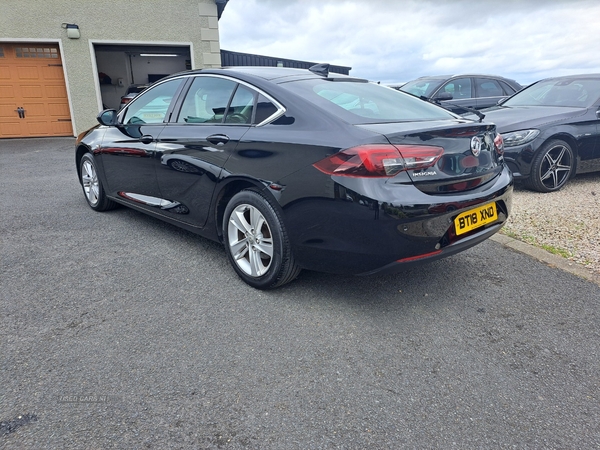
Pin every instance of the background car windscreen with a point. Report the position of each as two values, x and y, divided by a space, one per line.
577 93
422 87
362 102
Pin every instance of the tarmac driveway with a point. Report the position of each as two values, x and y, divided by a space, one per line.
120 331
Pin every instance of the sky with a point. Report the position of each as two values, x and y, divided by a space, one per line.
394 41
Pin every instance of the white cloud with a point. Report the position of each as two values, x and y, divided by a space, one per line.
394 41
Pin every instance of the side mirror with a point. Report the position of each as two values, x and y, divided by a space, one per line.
108 117
444 96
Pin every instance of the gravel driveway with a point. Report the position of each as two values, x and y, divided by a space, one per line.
566 222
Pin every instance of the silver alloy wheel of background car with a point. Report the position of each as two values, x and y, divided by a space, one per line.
89 180
250 240
552 166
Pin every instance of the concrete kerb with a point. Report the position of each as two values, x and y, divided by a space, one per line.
548 258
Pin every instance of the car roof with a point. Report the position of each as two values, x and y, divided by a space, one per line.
462 75
274 74
594 76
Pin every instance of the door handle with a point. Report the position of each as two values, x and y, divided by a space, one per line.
146 139
21 111
218 139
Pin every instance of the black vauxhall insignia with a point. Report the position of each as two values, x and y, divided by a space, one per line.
295 169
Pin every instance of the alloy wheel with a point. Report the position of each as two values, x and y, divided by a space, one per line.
556 167
250 240
89 179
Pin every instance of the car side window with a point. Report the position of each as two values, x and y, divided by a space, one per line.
152 105
488 88
459 88
508 89
207 100
241 106
264 109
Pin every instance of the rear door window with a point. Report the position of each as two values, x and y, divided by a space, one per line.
487 87
459 88
206 100
212 99
241 107
508 89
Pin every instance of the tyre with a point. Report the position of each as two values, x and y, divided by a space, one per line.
256 241
92 186
552 167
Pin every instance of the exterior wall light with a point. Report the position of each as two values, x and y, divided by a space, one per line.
72 30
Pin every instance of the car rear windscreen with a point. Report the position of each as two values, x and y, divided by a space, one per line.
363 102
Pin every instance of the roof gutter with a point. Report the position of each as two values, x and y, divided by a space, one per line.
220 7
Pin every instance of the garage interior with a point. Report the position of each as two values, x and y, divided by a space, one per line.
122 66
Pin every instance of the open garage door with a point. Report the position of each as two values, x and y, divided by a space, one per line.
125 67
33 96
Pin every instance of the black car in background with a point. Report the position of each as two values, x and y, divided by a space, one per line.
551 130
459 92
296 169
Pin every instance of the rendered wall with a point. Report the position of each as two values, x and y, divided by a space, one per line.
156 22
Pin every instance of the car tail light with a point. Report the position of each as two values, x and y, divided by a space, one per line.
499 144
379 160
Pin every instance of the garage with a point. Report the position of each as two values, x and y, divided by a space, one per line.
74 62
126 67
33 94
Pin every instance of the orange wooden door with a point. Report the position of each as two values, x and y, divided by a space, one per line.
33 96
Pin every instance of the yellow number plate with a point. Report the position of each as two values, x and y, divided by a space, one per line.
475 218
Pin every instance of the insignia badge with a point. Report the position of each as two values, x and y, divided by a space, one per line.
475 145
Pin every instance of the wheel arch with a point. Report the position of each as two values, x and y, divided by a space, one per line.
81 150
229 189
569 139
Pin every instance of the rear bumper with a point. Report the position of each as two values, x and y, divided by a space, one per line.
451 249
394 226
